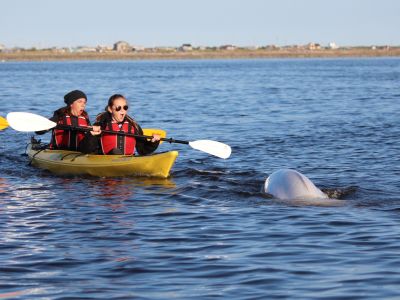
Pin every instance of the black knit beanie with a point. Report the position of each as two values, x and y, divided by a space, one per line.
74 95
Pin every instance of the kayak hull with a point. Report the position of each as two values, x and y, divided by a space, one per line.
62 162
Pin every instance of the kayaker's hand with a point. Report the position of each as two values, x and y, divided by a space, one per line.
156 138
96 130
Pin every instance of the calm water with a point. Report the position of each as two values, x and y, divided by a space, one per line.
208 232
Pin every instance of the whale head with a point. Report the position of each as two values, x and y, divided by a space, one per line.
287 184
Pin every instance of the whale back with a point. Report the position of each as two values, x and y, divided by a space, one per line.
287 184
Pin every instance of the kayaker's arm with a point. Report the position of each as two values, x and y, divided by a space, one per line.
145 146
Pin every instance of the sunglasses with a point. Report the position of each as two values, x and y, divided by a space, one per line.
125 107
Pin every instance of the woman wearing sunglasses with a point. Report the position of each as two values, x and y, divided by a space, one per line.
115 118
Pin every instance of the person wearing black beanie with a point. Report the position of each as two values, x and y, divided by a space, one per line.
67 135
73 96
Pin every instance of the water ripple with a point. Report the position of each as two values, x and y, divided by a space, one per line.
208 231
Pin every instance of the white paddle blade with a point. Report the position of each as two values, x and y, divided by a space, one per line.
212 147
23 121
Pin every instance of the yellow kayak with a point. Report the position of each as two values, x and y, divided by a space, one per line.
64 162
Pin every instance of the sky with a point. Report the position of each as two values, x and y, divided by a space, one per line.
151 23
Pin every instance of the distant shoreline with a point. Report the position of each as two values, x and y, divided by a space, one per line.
47 55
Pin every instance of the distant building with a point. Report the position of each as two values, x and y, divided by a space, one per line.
138 48
185 47
101 48
387 48
122 46
332 45
2 48
82 49
313 46
227 47
273 47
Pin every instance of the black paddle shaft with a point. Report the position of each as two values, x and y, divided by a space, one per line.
148 137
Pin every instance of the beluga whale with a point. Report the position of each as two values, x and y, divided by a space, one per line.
288 184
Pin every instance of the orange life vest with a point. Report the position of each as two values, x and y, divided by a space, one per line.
69 139
110 141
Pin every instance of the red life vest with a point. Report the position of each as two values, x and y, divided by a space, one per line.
69 139
110 141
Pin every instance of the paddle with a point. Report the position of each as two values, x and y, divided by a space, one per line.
3 123
28 122
22 121
212 147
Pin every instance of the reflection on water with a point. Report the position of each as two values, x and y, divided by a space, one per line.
124 188
112 189
311 202
4 186
17 294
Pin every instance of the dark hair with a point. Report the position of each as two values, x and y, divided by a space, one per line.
112 99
